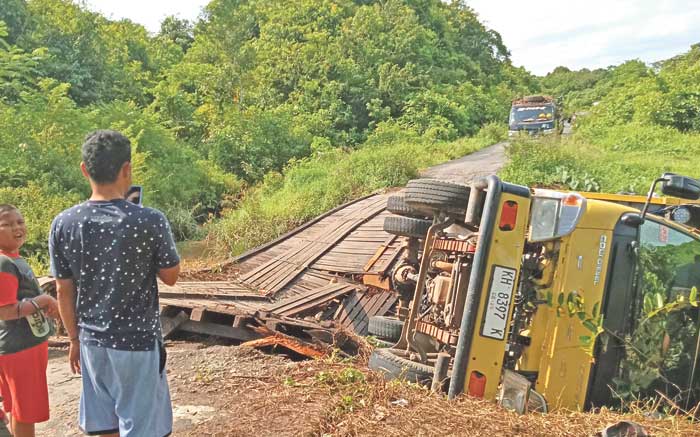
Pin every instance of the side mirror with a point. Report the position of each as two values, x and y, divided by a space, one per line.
632 220
680 186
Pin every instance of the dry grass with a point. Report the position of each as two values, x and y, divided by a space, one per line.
328 397
425 414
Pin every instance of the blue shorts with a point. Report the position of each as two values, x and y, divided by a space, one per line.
124 392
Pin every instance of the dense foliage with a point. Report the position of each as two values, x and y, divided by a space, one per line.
216 107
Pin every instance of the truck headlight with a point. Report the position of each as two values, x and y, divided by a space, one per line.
515 392
554 214
681 215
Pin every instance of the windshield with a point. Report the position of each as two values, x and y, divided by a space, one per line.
528 114
661 353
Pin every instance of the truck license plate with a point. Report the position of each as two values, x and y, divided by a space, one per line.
498 305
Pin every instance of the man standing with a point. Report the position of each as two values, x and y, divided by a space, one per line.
105 255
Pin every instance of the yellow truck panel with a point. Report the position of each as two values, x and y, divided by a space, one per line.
487 350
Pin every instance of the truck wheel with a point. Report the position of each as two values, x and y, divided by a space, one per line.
397 205
407 226
393 366
432 196
385 328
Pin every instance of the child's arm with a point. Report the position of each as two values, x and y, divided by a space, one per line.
11 308
21 309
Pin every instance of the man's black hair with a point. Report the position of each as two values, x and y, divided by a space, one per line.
104 154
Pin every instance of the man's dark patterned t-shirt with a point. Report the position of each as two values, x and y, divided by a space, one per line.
113 250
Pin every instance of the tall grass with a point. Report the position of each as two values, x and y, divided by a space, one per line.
311 186
612 159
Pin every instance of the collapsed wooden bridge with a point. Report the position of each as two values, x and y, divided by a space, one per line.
328 274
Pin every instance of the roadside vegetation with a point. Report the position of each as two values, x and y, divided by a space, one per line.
263 113
330 176
633 122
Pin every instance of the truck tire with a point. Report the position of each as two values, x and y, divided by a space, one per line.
533 99
397 205
385 328
407 226
432 196
393 366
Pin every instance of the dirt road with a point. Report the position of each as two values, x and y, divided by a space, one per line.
204 377
464 170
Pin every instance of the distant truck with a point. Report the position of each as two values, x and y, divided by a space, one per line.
533 115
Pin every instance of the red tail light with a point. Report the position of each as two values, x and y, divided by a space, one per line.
509 215
477 384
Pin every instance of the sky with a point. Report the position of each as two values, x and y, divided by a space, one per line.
540 35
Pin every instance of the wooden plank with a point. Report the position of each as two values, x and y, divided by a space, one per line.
212 306
298 306
276 274
286 304
217 296
197 314
360 307
380 251
349 303
378 309
360 311
171 324
297 230
390 261
204 328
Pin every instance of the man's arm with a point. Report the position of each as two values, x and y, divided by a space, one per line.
65 288
169 275
166 258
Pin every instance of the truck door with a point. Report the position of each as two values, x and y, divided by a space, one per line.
652 327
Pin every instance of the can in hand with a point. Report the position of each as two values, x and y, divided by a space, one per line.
38 322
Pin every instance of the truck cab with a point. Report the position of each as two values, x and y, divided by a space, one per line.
533 115
547 299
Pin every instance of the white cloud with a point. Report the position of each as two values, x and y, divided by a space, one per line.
149 13
592 34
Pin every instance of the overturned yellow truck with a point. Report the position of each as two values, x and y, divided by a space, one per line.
546 299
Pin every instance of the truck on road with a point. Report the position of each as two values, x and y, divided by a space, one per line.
533 115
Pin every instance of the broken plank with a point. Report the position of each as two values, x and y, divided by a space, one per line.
204 328
197 314
313 299
171 324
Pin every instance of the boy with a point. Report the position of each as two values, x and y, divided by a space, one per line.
23 347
